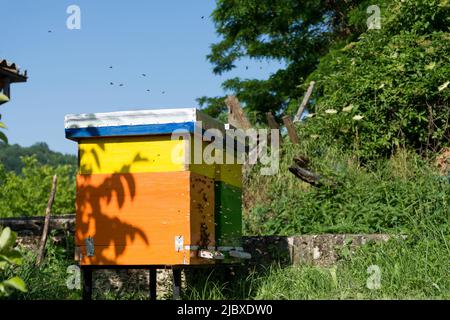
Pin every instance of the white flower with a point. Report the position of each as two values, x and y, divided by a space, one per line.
314 136
348 108
430 66
331 111
381 86
358 117
443 86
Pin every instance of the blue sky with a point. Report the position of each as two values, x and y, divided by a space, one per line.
69 69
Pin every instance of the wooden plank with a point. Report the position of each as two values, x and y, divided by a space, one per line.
124 209
134 218
87 284
138 122
305 100
273 124
228 173
291 129
202 225
150 154
113 255
131 155
120 131
153 284
236 115
228 215
34 225
176 290
131 118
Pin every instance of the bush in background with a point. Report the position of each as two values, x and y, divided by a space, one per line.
391 87
27 194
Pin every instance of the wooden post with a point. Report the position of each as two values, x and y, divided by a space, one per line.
87 283
304 102
291 129
271 121
48 211
237 118
152 283
236 115
176 272
273 124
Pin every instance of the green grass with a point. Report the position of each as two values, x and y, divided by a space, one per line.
403 196
409 269
419 271
47 282
391 196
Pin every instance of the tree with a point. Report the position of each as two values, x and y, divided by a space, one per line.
390 87
293 31
10 156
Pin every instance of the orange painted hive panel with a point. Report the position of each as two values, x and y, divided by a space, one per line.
149 218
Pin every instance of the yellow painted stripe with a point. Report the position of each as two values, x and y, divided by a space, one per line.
231 174
228 173
131 155
149 154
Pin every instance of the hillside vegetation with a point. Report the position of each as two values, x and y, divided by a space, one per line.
10 156
378 120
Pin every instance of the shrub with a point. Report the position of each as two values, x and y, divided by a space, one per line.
27 194
396 78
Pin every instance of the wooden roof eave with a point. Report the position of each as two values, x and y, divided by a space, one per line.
12 75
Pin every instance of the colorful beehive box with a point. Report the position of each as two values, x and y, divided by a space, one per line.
142 198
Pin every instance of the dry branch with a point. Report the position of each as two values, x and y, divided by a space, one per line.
48 211
304 102
308 176
301 170
302 161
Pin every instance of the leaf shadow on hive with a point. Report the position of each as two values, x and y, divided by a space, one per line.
94 201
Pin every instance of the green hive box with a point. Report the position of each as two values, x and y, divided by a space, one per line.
228 215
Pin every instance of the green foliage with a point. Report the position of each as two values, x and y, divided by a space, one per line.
395 78
9 256
10 156
49 280
294 32
27 194
394 195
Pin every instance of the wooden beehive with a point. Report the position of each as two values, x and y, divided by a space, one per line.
142 201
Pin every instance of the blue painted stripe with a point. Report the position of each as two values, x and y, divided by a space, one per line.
137 130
